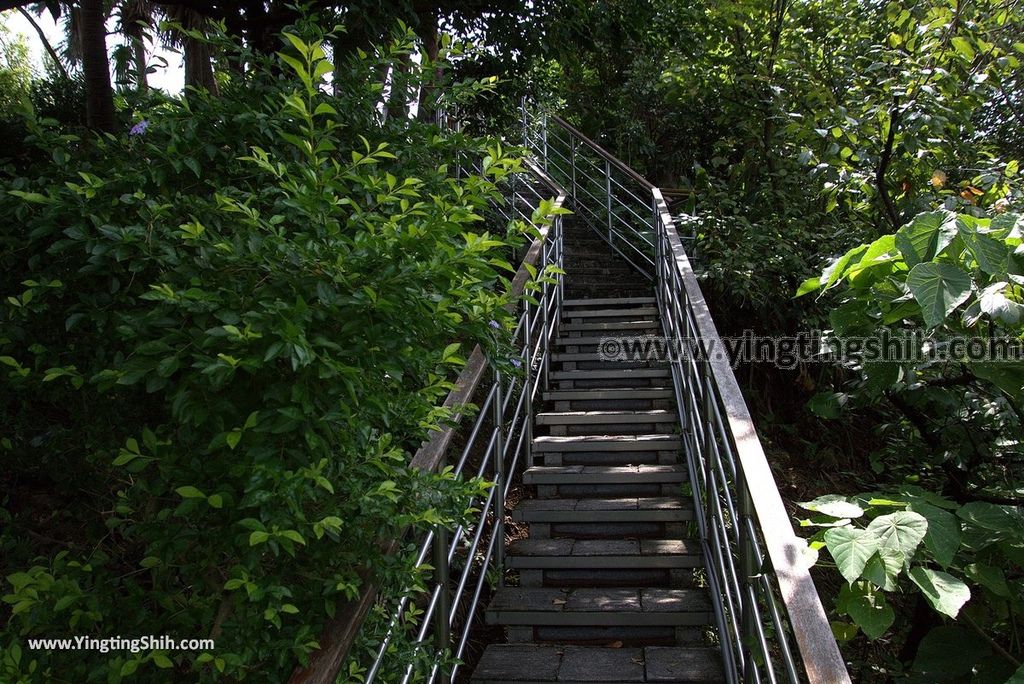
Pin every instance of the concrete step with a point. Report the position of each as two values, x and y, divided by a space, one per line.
543 664
603 554
603 607
630 327
612 393
607 301
596 357
598 475
616 510
587 340
655 442
606 417
632 313
611 374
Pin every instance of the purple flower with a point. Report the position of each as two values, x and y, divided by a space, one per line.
516 362
495 324
139 128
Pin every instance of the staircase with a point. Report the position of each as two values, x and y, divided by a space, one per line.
607 587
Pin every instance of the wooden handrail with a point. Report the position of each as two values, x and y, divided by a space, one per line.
341 631
818 649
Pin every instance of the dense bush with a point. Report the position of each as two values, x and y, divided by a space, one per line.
224 333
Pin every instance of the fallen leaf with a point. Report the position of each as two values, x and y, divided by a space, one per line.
614 644
558 602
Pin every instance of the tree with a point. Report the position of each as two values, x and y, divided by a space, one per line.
15 71
99 102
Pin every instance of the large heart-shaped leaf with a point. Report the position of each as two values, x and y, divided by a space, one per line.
901 531
943 536
872 613
938 289
943 592
834 505
926 236
851 548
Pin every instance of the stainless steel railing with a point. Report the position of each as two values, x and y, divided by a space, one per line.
771 623
467 559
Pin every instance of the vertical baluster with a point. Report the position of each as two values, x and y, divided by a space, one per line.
525 119
442 616
608 195
546 296
499 477
528 380
708 446
572 165
544 139
748 623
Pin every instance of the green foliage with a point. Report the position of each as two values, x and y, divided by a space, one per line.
959 558
15 71
222 338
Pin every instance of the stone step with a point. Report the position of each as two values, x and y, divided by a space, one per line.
603 554
608 301
611 374
606 417
611 393
599 607
591 443
600 475
594 357
615 510
544 664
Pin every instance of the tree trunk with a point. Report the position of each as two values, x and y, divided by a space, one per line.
138 40
99 94
428 33
198 66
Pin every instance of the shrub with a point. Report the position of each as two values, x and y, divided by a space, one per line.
223 335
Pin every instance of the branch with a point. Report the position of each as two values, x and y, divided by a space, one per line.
883 167
46 44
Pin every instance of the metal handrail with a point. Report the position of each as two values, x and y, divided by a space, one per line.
501 431
763 595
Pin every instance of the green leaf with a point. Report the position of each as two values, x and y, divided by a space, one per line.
939 289
162 661
1003 519
989 577
233 438
808 286
883 568
901 531
293 535
834 505
258 537
190 492
944 593
926 236
949 652
851 548
872 613
943 536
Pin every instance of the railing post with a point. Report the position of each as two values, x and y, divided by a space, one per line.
544 139
442 611
608 195
748 617
708 447
572 165
499 478
525 120
528 385
544 317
